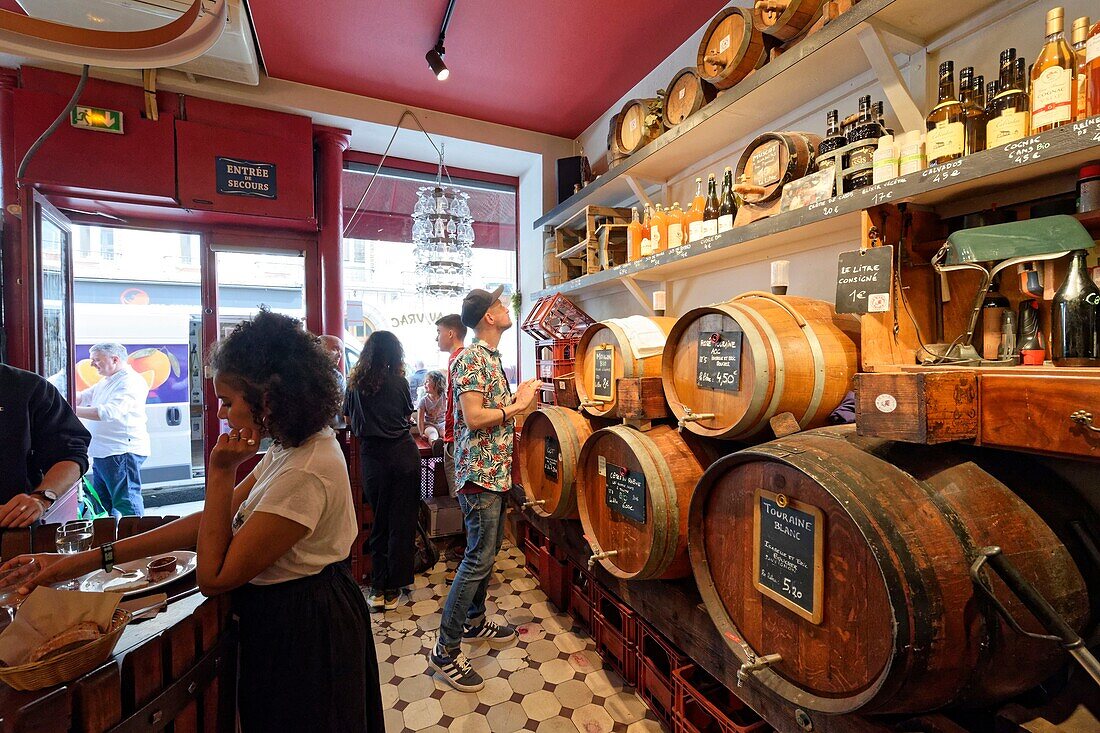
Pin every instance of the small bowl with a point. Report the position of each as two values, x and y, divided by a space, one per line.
161 568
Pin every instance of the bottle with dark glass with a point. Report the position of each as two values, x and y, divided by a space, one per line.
1075 318
878 112
833 140
865 132
1023 75
710 211
1009 109
727 206
991 91
987 340
946 138
1029 343
978 92
973 113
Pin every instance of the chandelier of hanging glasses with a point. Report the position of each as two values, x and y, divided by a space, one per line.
443 240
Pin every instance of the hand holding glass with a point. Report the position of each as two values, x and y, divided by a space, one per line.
73 537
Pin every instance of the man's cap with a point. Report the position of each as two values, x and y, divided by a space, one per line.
476 303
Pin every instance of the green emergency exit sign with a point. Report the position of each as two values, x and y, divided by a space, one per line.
96 118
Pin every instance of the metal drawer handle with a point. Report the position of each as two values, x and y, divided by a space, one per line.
1084 418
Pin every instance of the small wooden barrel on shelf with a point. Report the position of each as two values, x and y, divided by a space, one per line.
638 124
633 492
614 152
775 159
729 368
687 94
786 19
731 48
552 440
553 269
850 557
605 355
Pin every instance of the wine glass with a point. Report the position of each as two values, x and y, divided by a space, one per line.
11 581
73 537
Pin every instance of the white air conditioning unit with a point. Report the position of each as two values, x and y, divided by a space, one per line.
233 57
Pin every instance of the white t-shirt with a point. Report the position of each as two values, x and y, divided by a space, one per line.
121 427
308 485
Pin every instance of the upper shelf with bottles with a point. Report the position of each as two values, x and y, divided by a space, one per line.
825 60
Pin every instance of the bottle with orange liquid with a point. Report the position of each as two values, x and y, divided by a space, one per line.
646 248
1079 40
1053 77
676 226
634 236
1092 71
693 217
658 230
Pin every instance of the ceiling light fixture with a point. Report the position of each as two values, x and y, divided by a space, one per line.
434 57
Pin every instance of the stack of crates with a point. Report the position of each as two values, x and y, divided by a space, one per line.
556 325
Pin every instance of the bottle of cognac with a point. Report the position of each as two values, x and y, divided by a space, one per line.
1009 115
1053 77
1075 318
1079 38
946 138
973 113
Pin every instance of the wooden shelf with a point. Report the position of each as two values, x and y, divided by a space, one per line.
1052 153
818 64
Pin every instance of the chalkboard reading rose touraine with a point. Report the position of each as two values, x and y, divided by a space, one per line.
788 542
719 363
626 492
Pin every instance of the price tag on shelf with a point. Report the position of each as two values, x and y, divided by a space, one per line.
864 279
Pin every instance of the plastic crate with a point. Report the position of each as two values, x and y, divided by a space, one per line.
581 585
556 349
530 542
553 576
614 626
704 705
657 658
555 368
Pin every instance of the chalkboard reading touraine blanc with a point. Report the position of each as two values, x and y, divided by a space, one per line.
626 492
863 280
550 455
603 366
719 362
789 549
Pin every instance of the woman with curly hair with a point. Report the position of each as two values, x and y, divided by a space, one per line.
378 408
277 539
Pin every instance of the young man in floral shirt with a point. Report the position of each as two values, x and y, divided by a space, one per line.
483 457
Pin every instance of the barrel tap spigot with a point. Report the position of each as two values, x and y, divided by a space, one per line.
755 664
601 555
690 416
591 403
529 504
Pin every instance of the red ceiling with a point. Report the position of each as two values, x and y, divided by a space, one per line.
548 65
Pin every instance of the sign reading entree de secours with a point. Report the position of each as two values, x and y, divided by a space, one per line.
719 362
788 553
246 178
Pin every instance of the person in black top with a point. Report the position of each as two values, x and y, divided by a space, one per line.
378 408
43 446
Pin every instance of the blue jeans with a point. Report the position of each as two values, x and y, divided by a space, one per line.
117 480
484 517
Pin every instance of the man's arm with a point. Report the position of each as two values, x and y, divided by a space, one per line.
479 417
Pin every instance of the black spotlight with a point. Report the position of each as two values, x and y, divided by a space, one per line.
435 61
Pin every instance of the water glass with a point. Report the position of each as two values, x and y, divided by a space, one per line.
74 537
11 581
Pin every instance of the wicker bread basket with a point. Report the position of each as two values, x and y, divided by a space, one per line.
70 665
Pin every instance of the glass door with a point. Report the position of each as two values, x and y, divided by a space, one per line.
53 285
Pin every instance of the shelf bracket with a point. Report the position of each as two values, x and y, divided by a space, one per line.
882 62
634 289
638 189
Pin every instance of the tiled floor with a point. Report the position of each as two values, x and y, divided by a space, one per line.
550 681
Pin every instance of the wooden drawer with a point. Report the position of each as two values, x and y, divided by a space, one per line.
1032 412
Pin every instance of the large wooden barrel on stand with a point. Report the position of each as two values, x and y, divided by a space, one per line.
746 360
731 48
850 557
552 440
773 160
609 341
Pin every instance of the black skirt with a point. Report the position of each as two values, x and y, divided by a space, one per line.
307 656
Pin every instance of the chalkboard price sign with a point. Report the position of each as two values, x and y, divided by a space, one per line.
551 455
603 377
863 280
719 363
788 553
626 492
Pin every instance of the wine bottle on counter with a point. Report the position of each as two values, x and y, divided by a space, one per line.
710 210
693 217
727 206
866 132
973 113
1079 41
1075 318
833 141
1009 109
1053 77
946 138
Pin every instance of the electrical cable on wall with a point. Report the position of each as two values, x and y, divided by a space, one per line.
53 126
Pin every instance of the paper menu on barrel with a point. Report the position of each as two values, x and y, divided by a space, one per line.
788 553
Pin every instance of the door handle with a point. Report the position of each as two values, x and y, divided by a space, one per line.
1084 419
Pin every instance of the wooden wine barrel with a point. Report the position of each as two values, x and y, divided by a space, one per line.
687 94
849 558
552 440
795 355
775 159
600 337
632 132
614 152
648 528
553 269
731 48
786 19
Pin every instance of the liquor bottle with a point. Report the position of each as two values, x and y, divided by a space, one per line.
658 231
1053 98
1028 343
991 91
833 141
693 217
727 206
1075 318
990 323
634 236
946 139
1092 71
1079 38
675 226
1022 75
710 210
973 114
865 132
1009 109
978 93
878 111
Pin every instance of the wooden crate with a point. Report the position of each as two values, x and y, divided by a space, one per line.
579 238
929 408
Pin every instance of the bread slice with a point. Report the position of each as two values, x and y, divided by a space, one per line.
66 641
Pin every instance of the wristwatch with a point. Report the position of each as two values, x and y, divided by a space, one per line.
46 494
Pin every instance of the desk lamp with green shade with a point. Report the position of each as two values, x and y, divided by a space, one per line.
1006 245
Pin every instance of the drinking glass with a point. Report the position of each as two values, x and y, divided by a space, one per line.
73 537
10 583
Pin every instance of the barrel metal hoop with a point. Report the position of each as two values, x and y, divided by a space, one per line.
666 515
819 375
563 429
763 372
780 370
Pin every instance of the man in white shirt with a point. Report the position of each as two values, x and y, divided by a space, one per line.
114 412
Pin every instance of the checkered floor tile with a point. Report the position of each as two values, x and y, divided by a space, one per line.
550 681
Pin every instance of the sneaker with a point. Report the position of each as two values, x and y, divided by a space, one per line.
391 599
489 631
455 668
376 601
